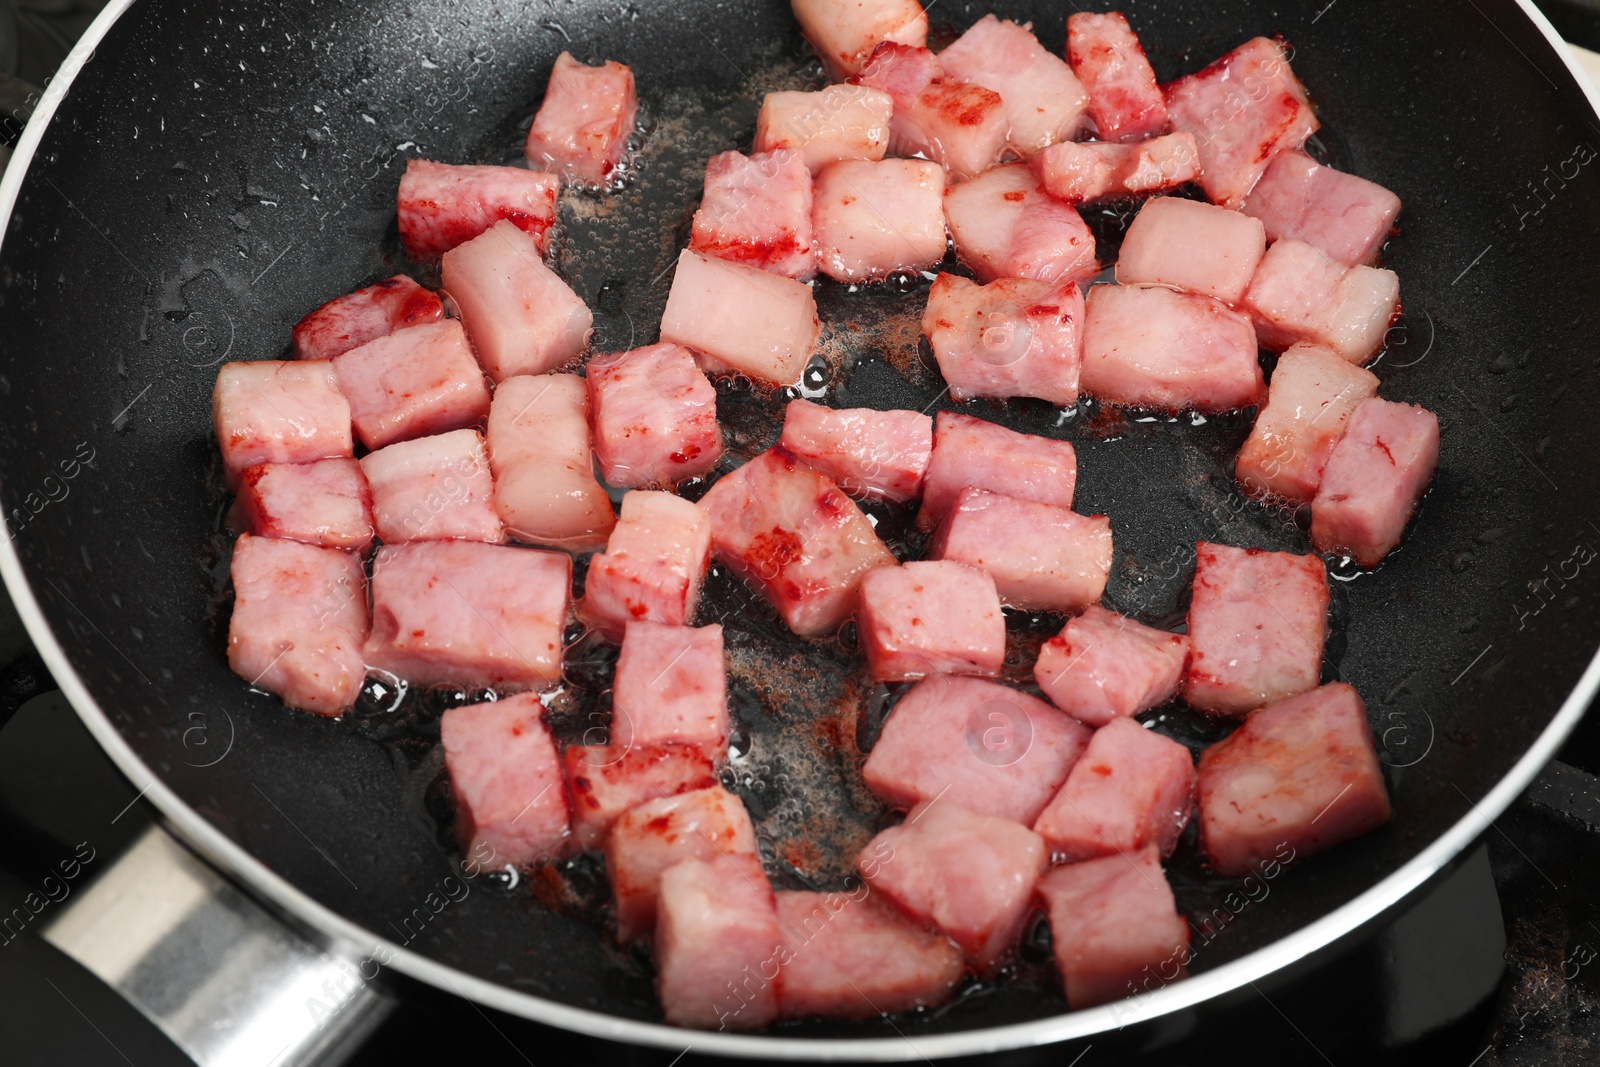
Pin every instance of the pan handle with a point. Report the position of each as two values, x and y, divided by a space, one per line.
24 678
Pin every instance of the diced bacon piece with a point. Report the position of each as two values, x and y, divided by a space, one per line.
433 488
506 780
1243 110
299 618
838 122
655 417
718 945
1299 776
970 452
1041 557
279 411
1006 226
1081 172
413 383
324 503
851 955
1313 392
757 211
652 566
1124 100
1344 216
469 613
790 532
1012 337
543 462
648 839
961 127
1298 294
1189 245
1044 102
872 454
352 320
522 318
606 780
741 320
584 121
876 218
671 687
985 747
1151 347
1103 665
844 32
1376 475
931 617
442 205
1257 624
970 875
1114 923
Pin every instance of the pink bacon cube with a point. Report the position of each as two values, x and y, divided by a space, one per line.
671 687
961 127
279 411
506 780
352 320
757 211
1298 294
1378 471
1081 172
442 206
1012 337
1345 217
1257 624
872 454
876 218
718 945
1312 394
1043 100
1041 557
1103 665
603 781
413 383
433 488
976 744
655 417
1124 100
931 617
790 532
845 32
1006 226
1299 775
542 459
838 122
299 618
1189 245
969 452
469 613
582 128
1151 347
652 566
324 503
741 320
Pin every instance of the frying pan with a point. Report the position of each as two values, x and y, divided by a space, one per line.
215 172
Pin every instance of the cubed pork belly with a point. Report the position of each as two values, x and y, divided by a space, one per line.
741 320
671 687
838 122
1152 347
299 618
506 780
1257 624
1345 217
845 32
960 126
433 488
1115 927
279 411
1103 665
652 565
871 454
757 211
442 205
324 503
469 613
1042 557
1125 102
655 417
851 955
521 317
1081 172
349 321
582 128
1012 337
543 462
1043 100
1378 471
1298 777
1312 393
413 383
970 875
879 217
969 452
1244 109
982 746
1188 245
931 617
603 781
1006 226
792 533
1298 294
718 946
